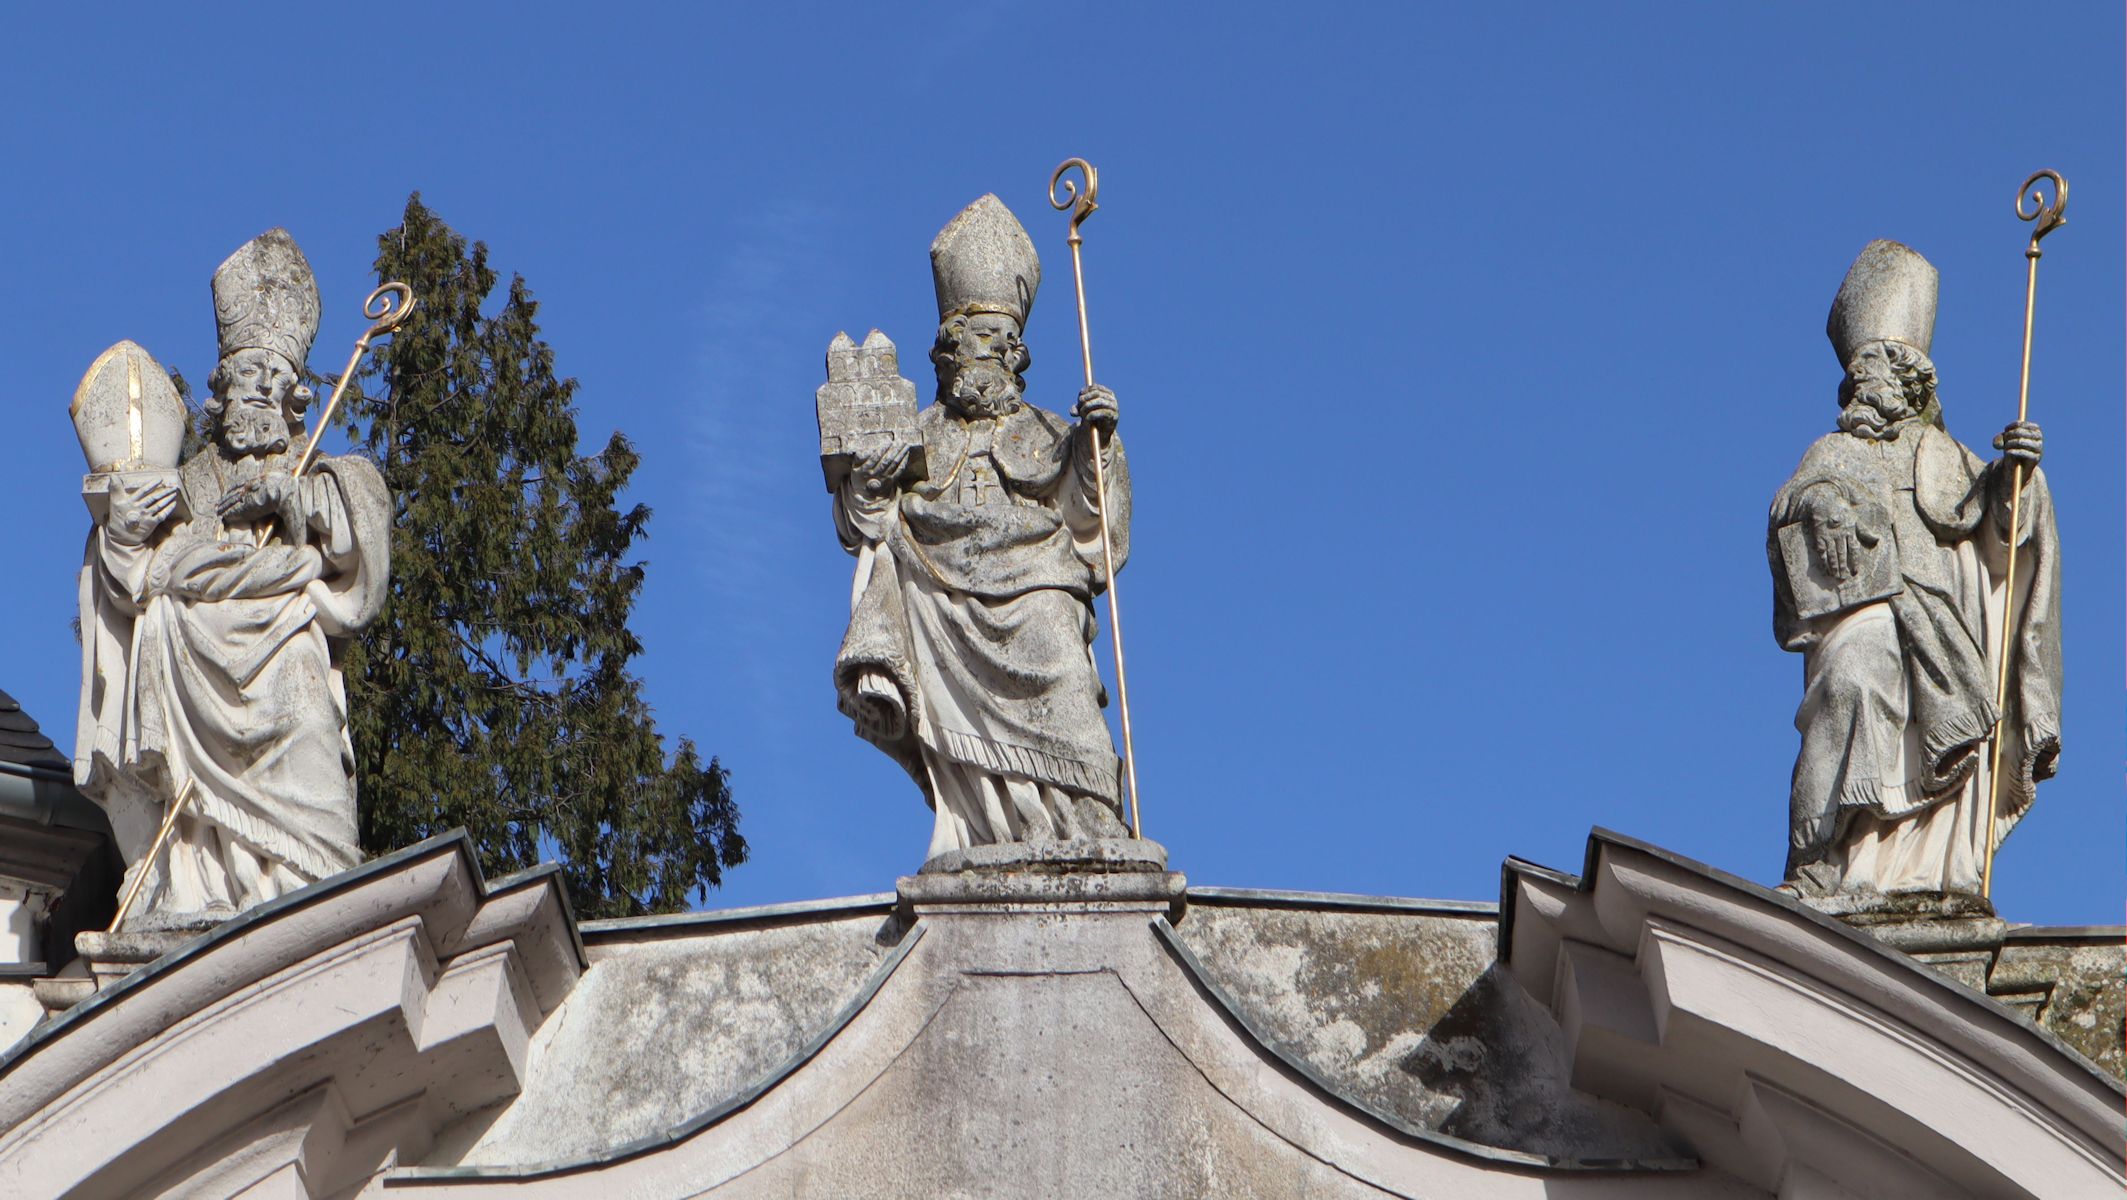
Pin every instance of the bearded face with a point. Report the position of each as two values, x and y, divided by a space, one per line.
252 393
1882 390
980 360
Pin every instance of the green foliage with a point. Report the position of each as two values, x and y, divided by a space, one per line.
494 692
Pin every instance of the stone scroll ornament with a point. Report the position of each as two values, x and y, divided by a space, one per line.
1921 584
214 596
984 528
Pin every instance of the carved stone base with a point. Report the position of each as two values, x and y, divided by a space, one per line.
113 955
1108 875
1104 856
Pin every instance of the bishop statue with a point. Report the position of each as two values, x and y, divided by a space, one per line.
976 528
215 598
1888 550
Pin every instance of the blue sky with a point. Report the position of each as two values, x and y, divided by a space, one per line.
1460 350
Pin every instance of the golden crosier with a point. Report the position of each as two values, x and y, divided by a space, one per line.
1081 204
2051 214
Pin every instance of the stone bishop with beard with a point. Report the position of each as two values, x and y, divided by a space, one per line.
969 653
1888 550
211 622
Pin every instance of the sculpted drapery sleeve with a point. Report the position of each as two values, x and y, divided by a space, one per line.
208 661
950 598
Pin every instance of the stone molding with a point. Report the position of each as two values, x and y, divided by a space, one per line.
312 1040
1785 1047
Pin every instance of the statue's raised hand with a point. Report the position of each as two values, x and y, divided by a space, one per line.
137 511
1096 407
260 497
2021 442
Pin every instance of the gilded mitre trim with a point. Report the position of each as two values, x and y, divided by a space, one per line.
984 262
1888 296
266 298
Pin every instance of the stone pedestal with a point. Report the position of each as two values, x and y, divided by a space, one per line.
1108 876
1957 935
108 956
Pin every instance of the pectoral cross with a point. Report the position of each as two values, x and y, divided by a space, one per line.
981 481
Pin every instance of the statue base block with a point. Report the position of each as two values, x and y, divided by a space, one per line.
1105 875
112 955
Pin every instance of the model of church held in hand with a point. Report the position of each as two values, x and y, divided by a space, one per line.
1043 1007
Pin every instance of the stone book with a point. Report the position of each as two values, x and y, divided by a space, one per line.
1817 594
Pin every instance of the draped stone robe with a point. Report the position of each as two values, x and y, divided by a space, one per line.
1892 784
208 662
969 651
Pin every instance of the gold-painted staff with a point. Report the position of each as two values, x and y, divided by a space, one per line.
1081 204
2050 214
387 308
162 838
385 318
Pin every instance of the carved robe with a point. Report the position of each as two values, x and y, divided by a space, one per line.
969 652
208 663
1892 785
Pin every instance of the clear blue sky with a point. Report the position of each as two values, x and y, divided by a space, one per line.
1460 349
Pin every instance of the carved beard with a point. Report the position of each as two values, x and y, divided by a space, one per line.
248 431
982 388
1875 412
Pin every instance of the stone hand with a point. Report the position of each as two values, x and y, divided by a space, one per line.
136 515
878 467
1096 407
1834 535
260 497
2021 443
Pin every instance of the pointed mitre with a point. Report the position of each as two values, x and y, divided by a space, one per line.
266 298
983 262
1888 296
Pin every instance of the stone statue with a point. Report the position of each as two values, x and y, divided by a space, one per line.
214 600
975 525
1887 550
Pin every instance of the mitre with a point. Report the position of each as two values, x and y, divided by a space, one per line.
983 262
266 298
1888 296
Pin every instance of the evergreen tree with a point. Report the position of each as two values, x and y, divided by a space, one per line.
494 691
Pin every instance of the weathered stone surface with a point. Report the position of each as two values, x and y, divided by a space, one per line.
1020 1041
2079 978
1404 1011
1103 856
675 1018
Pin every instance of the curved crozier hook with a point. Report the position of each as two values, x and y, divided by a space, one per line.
1081 203
388 307
2050 212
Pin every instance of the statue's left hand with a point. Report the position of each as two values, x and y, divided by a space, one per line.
260 497
2022 443
1096 407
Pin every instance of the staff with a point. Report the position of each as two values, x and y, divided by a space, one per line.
385 317
387 308
2050 214
1081 206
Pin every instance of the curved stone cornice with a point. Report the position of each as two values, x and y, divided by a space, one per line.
1779 1043
384 1002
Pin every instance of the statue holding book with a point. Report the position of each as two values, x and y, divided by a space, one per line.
1888 550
